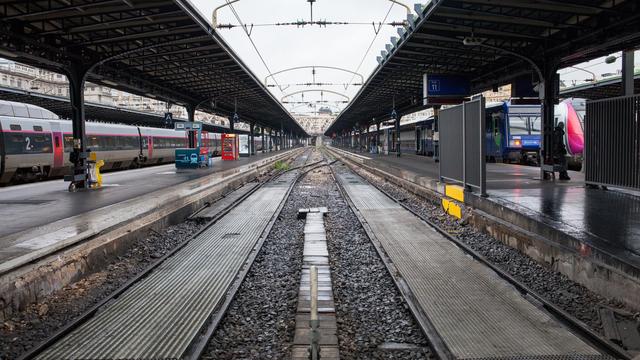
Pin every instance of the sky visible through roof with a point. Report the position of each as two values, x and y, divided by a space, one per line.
283 47
343 46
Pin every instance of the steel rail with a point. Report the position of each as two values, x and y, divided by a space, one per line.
77 322
436 343
576 326
199 344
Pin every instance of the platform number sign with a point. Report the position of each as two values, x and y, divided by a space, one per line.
434 85
168 120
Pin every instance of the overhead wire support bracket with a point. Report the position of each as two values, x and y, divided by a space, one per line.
214 15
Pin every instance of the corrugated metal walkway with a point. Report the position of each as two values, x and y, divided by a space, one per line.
475 312
160 315
225 201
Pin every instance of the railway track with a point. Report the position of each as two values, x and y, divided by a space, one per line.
125 326
441 348
85 336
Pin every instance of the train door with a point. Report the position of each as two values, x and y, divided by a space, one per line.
149 147
494 120
58 146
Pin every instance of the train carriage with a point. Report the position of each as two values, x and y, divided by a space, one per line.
36 144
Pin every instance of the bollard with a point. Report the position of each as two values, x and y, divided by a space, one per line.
314 322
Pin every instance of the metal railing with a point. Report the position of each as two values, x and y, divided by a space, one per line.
462 150
612 142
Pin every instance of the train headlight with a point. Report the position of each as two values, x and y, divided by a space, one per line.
515 143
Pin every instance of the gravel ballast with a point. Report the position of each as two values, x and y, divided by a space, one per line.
39 321
570 296
260 321
372 318
374 321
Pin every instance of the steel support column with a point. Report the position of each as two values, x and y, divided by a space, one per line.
252 145
378 146
231 124
264 144
77 75
281 135
191 114
436 134
627 72
549 99
270 140
397 117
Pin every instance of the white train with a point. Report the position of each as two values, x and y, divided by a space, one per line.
35 144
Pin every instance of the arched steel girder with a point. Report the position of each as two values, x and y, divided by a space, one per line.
266 79
307 105
315 90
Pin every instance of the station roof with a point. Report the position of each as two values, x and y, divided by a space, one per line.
61 106
163 49
602 89
512 34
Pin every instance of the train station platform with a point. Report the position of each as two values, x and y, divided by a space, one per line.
590 235
38 219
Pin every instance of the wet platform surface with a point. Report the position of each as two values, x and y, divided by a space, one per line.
606 219
35 216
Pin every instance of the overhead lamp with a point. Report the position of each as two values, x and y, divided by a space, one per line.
5 53
610 59
472 41
109 82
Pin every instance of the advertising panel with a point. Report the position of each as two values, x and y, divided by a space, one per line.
244 145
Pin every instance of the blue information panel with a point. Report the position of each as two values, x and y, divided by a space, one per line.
523 87
445 86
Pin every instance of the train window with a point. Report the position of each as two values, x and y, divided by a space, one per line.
15 127
16 143
126 143
37 128
534 124
518 125
57 140
68 142
93 143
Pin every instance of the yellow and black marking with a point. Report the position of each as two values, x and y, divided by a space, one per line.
454 197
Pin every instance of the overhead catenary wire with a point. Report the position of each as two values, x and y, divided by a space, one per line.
320 23
370 45
235 13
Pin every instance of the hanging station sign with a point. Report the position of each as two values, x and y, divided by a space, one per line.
444 89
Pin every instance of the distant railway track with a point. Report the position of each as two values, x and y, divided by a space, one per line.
198 344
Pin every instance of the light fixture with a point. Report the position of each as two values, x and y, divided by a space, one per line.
610 59
5 53
472 41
